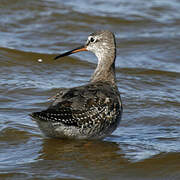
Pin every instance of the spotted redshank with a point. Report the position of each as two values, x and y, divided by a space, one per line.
91 111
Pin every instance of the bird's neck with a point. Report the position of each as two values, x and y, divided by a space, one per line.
105 70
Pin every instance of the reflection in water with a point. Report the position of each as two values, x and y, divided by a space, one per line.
81 151
74 157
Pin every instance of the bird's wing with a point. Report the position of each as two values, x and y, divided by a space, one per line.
82 105
60 93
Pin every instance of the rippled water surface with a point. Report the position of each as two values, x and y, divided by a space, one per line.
146 145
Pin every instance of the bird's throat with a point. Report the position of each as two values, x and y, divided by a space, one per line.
105 73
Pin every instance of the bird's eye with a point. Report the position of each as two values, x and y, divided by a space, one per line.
92 39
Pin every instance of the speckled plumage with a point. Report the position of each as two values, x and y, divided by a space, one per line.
91 111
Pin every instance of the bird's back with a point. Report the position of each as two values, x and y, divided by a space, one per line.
90 111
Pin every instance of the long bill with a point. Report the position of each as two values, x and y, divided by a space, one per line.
81 48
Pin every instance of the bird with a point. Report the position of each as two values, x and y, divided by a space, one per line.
90 111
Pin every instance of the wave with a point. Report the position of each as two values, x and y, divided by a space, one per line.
145 71
11 57
18 57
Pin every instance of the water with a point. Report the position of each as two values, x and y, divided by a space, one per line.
146 145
